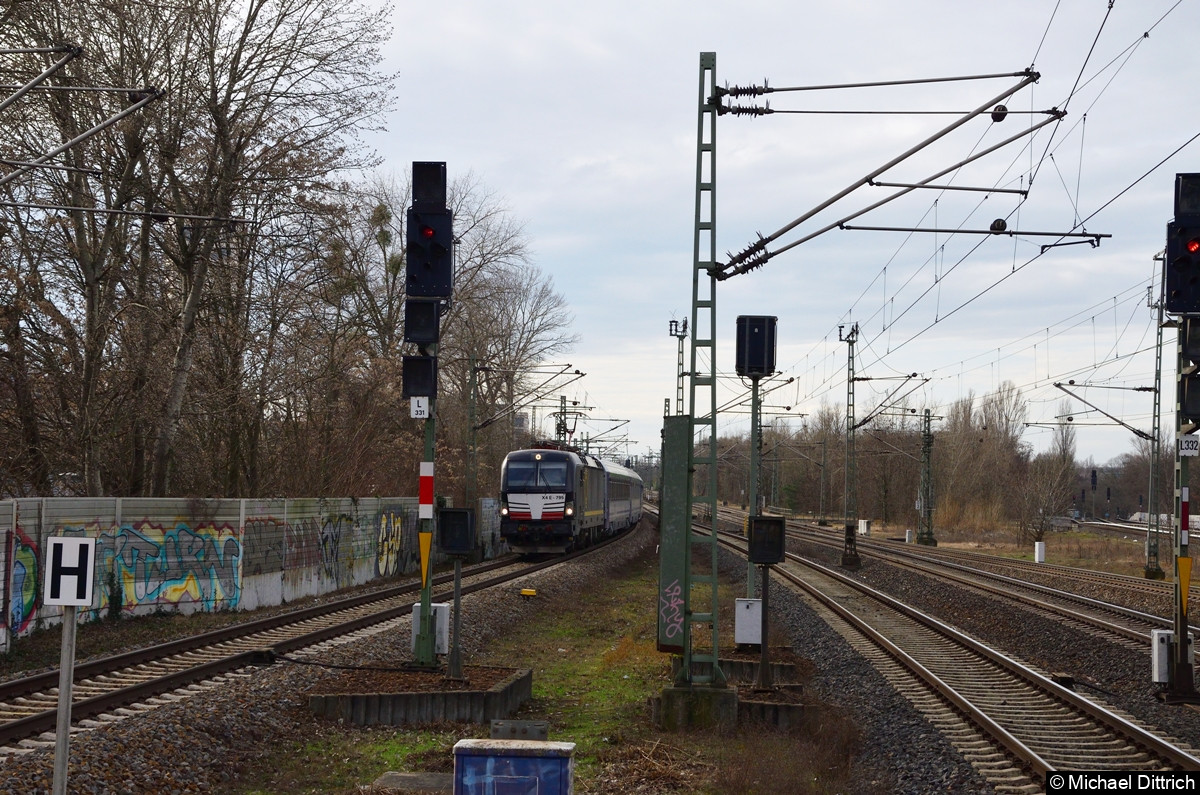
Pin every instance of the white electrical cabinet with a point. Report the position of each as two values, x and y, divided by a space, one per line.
441 624
1160 654
747 622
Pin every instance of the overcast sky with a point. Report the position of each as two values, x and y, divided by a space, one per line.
584 117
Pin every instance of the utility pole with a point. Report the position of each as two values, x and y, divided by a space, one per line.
925 526
678 330
755 466
688 599
472 449
850 559
776 466
1153 570
824 463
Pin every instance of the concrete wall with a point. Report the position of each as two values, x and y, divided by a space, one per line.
184 555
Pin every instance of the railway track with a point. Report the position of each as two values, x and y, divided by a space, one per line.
1115 622
1110 580
28 705
1013 722
1136 586
1119 588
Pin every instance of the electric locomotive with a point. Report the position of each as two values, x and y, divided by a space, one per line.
553 500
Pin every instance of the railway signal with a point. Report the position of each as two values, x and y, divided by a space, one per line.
755 359
421 321
1189 375
1181 296
429 279
429 266
418 376
1181 263
1181 268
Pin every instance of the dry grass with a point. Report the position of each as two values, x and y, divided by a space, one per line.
618 749
1119 554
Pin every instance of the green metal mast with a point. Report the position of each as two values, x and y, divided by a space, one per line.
700 593
755 472
472 442
1153 570
560 425
1182 681
679 331
850 557
925 528
426 641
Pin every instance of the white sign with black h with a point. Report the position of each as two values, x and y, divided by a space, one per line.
70 571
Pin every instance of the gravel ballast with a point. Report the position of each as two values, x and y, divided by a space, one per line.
198 744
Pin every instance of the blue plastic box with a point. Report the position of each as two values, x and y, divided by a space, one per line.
513 767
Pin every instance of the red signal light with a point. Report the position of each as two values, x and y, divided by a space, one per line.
1192 245
427 232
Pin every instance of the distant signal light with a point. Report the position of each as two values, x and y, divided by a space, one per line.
1193 245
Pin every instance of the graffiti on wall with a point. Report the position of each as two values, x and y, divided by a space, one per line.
389 542
26 561
173 564
179 554
302 549
331 543
316 543
264 545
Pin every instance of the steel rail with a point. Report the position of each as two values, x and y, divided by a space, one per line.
15 688
1032 759
932 567
14 730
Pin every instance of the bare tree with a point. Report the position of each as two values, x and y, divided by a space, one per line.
1049 482
262 101
282 87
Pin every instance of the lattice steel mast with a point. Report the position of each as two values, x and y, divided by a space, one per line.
701 603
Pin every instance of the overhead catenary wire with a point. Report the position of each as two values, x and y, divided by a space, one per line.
819 368
755 255
889 300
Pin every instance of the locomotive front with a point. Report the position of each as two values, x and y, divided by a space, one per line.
537 500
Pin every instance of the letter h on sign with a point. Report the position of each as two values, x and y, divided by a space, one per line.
70 573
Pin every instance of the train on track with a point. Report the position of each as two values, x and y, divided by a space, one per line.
554 499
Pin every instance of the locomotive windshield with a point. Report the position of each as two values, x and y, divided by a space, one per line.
535 474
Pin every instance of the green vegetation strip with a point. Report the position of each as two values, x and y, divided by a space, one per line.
595 664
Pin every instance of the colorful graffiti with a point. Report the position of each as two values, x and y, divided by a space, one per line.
25 566
171 553
389 542
331 543
173 565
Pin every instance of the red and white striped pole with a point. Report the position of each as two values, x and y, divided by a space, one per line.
425 514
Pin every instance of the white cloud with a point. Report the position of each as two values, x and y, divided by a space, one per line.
584 118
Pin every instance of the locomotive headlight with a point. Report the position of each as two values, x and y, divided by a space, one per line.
570 510
504 510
